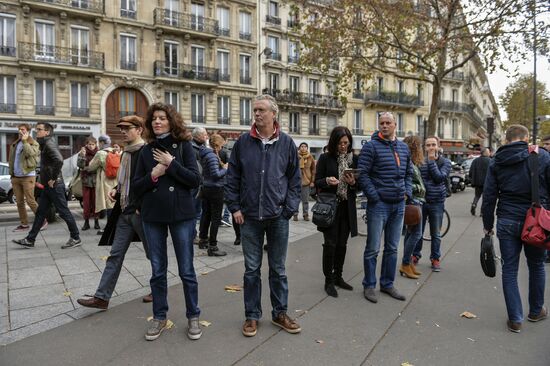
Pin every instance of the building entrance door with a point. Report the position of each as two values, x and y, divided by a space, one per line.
123 102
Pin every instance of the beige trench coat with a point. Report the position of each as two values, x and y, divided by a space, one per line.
103 184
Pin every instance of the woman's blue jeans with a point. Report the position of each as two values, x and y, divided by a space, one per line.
182 238
509 236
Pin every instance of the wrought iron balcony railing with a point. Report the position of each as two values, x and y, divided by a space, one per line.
8 51
224 120
358 94
313 131
128 65
186 21
273 20
293 23
294 129
449 105
293 59
195 118
48 110
8 108
456 75
192 72
393 98
224 32
80 112
274 56
246 121
298 98
225 77
245 36
246 79
61 55
94 6
128 13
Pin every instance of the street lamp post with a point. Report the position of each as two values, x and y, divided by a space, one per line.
266 51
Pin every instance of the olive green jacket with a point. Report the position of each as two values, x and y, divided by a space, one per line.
29 158
418 188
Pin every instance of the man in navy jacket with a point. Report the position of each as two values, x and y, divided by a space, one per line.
434 171
386 180
262 192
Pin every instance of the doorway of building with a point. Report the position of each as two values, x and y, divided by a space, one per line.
123 102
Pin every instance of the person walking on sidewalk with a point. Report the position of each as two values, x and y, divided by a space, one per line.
199 140
23 159
53 192
166 174
307 170
477 173
413 233
127 223
332 177
213 173
86 155
507 187
435 171
262 192
386 180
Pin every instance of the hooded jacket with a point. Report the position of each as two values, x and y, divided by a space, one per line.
386 170
478 171
508 181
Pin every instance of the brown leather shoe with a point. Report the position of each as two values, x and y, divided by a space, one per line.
147 298
291 326
94 302
250 327
541 316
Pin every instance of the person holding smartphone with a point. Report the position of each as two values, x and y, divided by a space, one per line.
335 174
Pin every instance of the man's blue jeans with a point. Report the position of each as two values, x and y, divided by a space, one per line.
126 227
433 212
155 234
386 217
252 238
412 235
509 236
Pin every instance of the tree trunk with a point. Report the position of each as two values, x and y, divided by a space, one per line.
434 107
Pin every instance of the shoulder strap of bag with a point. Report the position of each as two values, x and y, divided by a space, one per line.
533 161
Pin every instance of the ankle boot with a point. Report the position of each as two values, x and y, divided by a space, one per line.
406 270
339 281
295 217
306 217
96 224
415 271
214 251
329 288
86 225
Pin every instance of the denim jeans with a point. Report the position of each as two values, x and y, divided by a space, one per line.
412 235
386 217
55 195
433 212
226 214
252 238
126 227
155 234
509 236
197 204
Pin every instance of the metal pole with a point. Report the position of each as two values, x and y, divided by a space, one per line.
425 128
535 125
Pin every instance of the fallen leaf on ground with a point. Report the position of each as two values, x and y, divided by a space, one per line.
149 318
473 340
205 323
468 315
233 288
169 324
437 325
417 322
204 273
319 341
406 364
104 258
67 293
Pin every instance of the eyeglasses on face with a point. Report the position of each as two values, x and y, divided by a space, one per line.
126 128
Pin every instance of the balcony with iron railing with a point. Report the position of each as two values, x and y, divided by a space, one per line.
306 99
8 108
472 114
225 32
358 94
196 118
313 131
225 77
184 71
8 51
455 75
274 56
48 110
128 65
451 106
293 23
246 121
80 112
246 79
81 7
273 19
82 59
186 22
393 98
245 36
224 120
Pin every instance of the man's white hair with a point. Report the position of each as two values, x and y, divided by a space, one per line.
198 132
386 114
272 102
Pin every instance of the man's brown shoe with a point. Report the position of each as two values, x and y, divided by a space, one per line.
282 320
513 326
541 316
147 298
250 327
94 302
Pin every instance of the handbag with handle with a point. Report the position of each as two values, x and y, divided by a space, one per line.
536 228
76 185
487 256
324 210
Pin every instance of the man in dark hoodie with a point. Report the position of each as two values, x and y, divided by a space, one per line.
51 162
477 173
508 182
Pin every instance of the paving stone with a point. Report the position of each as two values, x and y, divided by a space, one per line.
33 329
21 263
3 299
24 317
37 276
4 324
40 295
20 252
143 280
82 280
126 282
138 267
75 265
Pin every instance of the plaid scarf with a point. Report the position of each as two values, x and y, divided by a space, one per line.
124 171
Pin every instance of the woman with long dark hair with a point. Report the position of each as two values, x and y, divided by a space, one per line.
166 173
414 233
333 176
85 156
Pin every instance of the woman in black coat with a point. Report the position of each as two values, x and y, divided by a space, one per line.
332 177
166 172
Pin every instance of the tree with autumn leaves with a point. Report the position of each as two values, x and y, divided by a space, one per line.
422 40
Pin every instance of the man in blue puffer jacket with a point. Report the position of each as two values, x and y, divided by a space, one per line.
262 192
386 179
508 181
434 171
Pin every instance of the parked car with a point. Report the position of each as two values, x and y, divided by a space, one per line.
5 182
3 195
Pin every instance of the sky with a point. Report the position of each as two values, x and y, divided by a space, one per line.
498 81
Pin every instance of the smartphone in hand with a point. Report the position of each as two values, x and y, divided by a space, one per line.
351 171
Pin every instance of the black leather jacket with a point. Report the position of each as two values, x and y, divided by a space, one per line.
51 160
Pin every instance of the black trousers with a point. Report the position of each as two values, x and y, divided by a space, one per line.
212 207
335 246
477 196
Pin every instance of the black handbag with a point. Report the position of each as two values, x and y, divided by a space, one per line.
324 210
487 256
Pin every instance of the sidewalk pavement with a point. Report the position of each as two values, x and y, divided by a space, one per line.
427 329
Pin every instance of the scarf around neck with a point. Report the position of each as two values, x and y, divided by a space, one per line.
124 171
344 162
303 158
